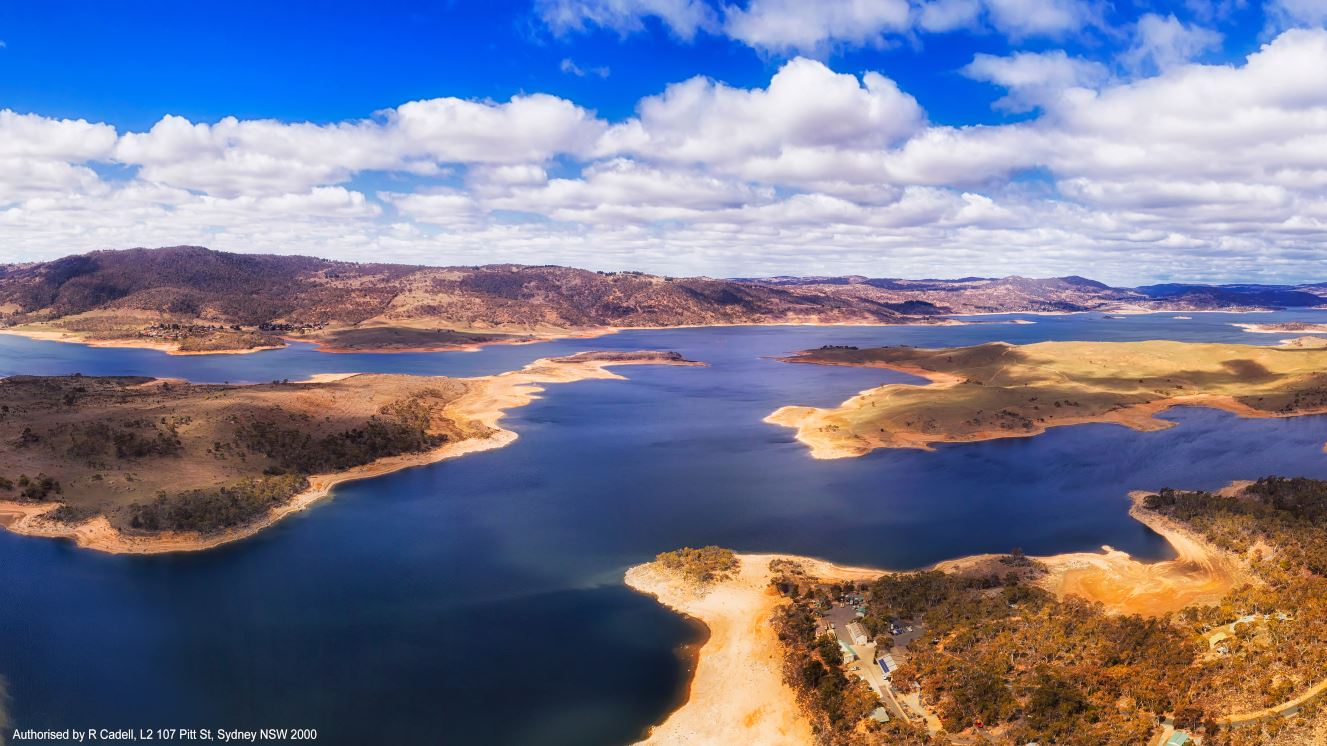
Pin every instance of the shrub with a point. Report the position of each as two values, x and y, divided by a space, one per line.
703 565
211 510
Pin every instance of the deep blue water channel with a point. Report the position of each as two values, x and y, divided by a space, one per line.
480 600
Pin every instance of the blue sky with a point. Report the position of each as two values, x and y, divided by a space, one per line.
131 63
908 137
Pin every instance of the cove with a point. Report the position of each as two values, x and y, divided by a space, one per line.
480 600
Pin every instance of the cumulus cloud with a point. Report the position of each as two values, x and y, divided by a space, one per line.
1034 79
802 128
40 155
237 157
1211 171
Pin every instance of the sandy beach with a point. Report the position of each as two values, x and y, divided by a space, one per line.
737 694
485 403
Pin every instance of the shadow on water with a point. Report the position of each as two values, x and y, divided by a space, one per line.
480 600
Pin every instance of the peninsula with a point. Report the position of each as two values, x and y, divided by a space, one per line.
1296 327
1225 640
1001 390
143 465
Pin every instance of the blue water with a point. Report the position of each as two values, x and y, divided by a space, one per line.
480 600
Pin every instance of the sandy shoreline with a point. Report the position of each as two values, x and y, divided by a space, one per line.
737 694
1199 573
169 348
485 404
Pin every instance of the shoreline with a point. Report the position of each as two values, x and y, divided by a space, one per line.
1309 328
534 338
737 695
944 319
1198 574
130 344
485 404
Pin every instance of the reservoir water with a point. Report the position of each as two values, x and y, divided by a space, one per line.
480 600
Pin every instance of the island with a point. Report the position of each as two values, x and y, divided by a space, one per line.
1225 642
1001 390
144 465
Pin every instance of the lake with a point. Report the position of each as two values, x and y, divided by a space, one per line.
480 600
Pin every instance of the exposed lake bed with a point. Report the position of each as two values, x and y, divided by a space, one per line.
482 599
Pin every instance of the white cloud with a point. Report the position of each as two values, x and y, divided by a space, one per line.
799 129
1052 18
441 207
527 128
940 16
31 136
683 17
802 26
40 155
570 67
795 25
1290 13
237 157
626 190
1035 79
1162 43
1214 171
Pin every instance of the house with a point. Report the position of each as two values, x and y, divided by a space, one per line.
858 632
887 664
880 715
1178 738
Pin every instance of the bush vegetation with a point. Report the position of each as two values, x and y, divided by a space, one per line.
704 565
401 427
212 510
1002 652
38 488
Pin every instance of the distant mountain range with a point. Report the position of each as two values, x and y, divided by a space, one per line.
249 300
